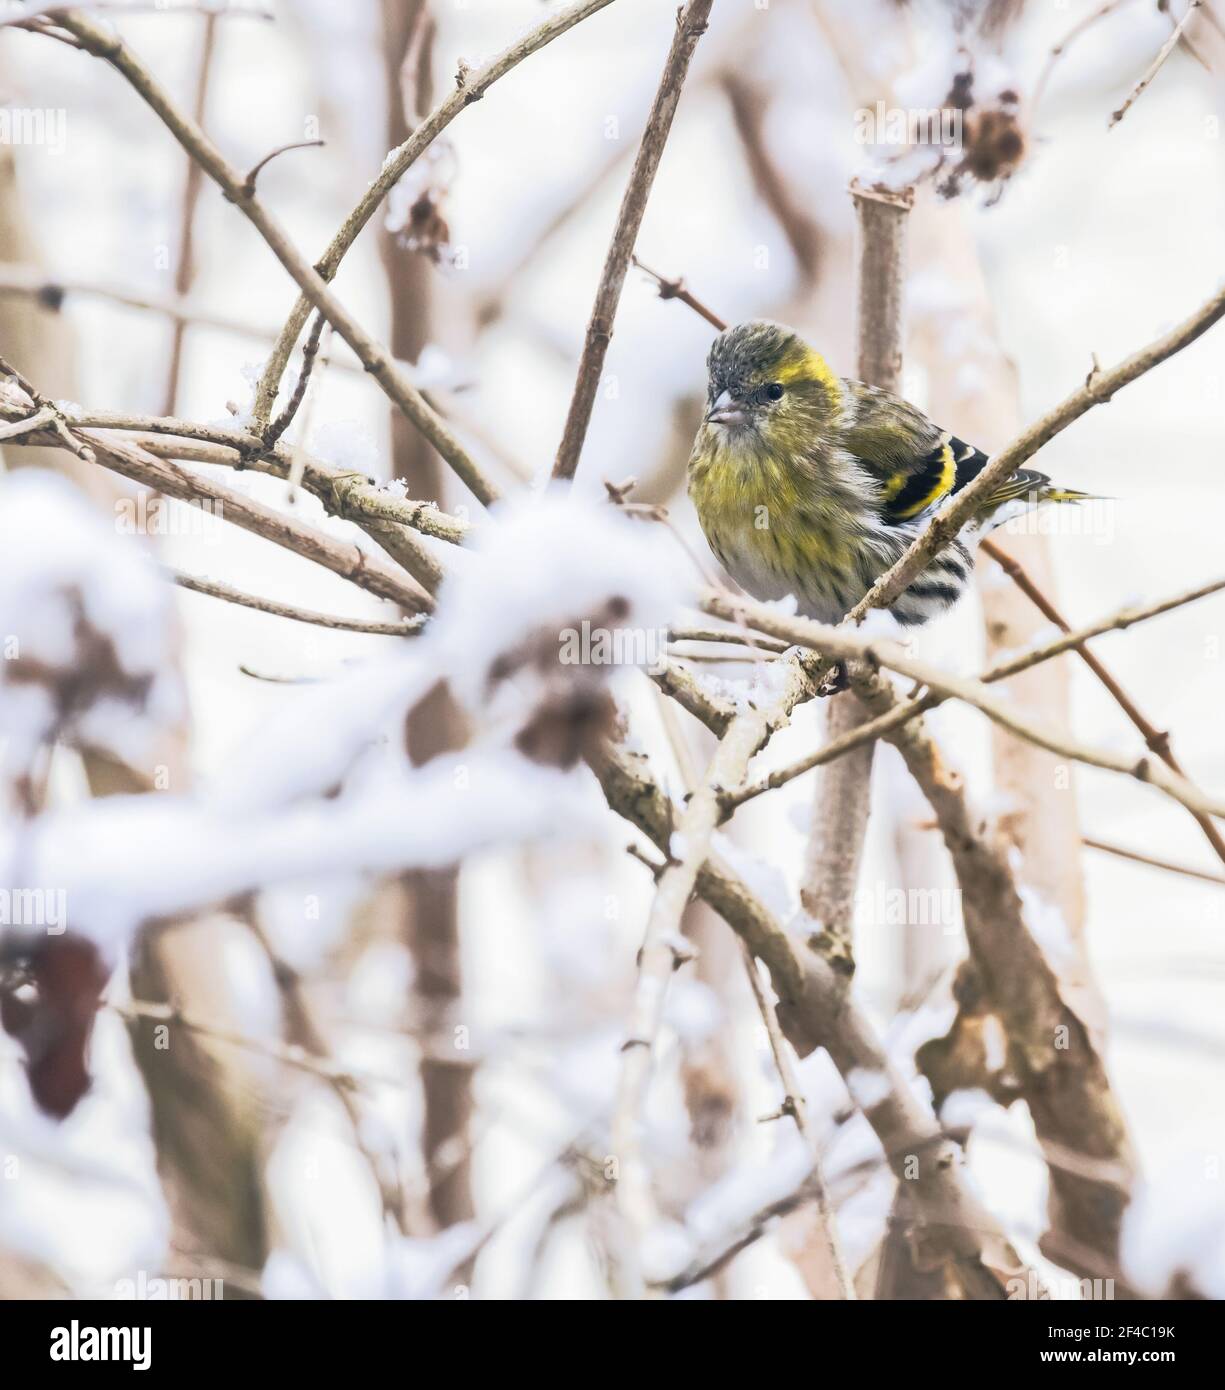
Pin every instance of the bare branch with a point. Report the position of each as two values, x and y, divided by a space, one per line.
737 636
835 642
884 724
381 365
840 802
687 851
475 84
795 1105
1156 740
248 184
709 1262
680 683
218 9
675 289
961 507
48 412
184 265
815 1010
126 457
215 589
1060 48
690 25
1158 62
345 493
1136 857
283 421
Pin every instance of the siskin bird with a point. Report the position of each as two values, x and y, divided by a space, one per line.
811 484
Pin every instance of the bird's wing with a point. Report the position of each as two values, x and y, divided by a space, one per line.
917 463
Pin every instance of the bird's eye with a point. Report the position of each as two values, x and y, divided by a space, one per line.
774 392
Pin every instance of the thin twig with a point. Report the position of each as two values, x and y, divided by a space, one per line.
1012 666
248 184
1153 863
690 25
184 267
963 505
283 421
675 289
215 589
1061 48
476 82
1156 740
381 364
836 642
50 291
795 1105
1155 67
52 414
728 636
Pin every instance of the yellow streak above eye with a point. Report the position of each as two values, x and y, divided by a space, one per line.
807 365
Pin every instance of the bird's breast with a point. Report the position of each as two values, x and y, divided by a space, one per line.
776 534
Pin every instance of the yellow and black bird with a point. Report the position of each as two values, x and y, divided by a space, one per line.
811 484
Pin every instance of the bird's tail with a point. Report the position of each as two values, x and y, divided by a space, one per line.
1067 494
1030 486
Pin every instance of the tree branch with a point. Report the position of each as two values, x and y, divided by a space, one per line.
961 507
795 1105
815 1010
1051 1051
837 643
1022 661
471 85
690 25
368 571
381 365
687 851
215 589
1158 742
1158 62
840 803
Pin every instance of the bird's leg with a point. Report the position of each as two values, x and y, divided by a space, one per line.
836 680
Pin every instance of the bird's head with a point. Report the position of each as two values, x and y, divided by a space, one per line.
765 378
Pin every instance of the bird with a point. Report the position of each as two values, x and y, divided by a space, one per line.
812 484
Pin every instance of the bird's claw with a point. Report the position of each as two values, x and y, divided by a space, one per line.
836 680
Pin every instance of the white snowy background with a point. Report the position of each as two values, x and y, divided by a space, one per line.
1102 240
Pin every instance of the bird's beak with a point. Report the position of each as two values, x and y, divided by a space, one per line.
724 411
